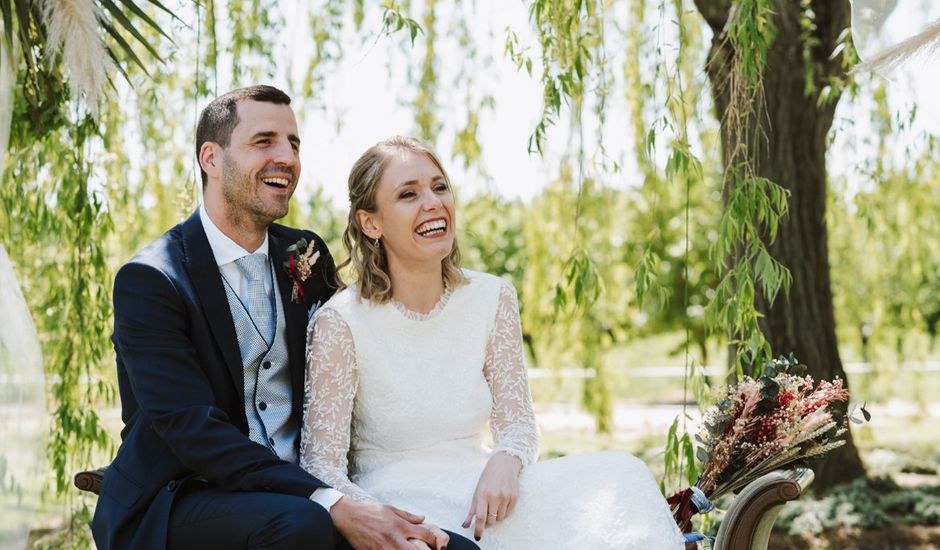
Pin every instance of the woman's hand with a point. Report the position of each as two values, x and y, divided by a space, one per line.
496 493
441 538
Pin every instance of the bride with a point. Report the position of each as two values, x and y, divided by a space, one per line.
406 366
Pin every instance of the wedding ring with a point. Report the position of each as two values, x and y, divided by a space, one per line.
491 515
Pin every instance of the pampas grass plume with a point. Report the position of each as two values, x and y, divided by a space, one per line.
922 45
73 31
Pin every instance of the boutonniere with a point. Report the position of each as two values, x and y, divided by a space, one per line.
301 257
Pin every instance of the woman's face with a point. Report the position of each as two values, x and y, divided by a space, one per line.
414 215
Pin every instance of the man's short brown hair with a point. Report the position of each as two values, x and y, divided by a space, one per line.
220 117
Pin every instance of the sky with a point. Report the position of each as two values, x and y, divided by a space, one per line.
365 100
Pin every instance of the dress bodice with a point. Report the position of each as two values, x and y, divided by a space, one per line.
384 382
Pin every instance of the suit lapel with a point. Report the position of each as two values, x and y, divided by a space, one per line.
295 315
207 281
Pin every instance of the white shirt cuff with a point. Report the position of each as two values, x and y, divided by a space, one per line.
326 497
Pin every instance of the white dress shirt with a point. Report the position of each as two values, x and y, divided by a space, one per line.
226 252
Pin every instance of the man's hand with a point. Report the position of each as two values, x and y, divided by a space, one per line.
378 527
496 493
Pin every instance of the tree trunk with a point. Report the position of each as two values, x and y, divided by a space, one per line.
791 151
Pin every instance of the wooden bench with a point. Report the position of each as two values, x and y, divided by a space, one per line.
751 516
746 525
90 481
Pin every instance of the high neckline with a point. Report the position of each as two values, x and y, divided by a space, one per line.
417 315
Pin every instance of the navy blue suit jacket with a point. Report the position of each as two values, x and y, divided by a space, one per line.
181 384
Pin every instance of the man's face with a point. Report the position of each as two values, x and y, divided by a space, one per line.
261 165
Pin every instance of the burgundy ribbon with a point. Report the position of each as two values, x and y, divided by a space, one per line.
290 271
684 508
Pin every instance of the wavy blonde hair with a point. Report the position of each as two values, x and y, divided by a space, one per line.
368 259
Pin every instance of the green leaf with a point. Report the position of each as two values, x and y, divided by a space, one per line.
125 47
131 5
122 19
703 455
166 10
671 434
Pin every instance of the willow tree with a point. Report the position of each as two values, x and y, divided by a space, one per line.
776 69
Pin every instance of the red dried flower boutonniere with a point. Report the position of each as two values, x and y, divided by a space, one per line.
301 257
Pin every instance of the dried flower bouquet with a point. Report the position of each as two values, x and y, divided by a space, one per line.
780 418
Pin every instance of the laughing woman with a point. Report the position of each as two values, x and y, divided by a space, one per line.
406 366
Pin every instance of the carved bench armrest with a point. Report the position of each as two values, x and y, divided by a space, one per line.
90 480
749 520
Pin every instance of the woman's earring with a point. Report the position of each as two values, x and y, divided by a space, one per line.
376 242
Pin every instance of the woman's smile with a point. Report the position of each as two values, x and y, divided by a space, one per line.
433 229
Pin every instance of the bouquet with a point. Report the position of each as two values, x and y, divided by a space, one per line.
762 424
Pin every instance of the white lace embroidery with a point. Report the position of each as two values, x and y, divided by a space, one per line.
329 391
512 420
417 316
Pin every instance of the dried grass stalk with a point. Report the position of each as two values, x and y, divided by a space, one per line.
924 44
73 32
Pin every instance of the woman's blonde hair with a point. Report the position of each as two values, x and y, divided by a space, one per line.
366 256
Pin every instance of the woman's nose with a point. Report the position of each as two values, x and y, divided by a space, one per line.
430 200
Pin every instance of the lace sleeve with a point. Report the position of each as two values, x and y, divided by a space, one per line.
512 421
329 391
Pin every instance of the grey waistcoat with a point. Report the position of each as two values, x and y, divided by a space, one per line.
267 381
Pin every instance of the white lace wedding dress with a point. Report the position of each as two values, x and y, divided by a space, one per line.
404 398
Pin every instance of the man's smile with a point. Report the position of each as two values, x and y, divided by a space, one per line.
276 182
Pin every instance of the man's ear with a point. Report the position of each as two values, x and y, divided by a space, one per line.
368 224
210 159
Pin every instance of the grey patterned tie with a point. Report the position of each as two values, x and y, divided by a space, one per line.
258 301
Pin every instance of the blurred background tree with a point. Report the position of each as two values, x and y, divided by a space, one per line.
777 71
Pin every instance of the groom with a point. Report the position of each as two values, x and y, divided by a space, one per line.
209 332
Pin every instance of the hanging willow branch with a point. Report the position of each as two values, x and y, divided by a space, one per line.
754 205
425 101
58 243
567 43
64 52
